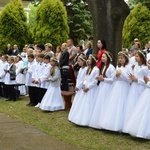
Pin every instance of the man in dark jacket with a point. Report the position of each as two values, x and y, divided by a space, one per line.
9 50
64 67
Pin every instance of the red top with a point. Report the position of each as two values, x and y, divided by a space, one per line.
99 56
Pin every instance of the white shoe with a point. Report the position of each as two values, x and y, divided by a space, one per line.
38 105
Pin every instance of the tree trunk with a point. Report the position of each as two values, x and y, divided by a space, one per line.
108 19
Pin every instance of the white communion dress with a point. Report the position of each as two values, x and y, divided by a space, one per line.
52 100
139 122
79 85
82 112
101 95
114 113
135 91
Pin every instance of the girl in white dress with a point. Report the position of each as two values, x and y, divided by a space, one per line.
83 111
79 84
20 77
139 122
52 99
106 78
113 118
137 86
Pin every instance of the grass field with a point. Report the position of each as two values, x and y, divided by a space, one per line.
57 124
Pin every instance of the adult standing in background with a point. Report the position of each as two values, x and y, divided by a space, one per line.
64 66
133 46
9 50
88 49
72 50
102 48
49 49
72 54
15 51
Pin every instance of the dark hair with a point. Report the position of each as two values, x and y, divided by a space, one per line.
41 47
47 57
142 55
104 44
31 56
90 68
80 46
107 64
124 54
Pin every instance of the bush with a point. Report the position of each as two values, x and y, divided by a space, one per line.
51 23
13 26
137 26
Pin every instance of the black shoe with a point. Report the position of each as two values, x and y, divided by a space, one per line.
30 104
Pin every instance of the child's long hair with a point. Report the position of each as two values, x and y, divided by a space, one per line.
109 60
142 55
53 67
94 61
125 55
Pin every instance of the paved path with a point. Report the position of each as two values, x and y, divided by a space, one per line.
15 135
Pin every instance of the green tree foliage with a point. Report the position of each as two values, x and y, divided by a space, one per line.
51 23
32 15
137 26
132 3
79 20
13 26
36 2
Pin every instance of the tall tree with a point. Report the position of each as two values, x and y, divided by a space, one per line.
137 26
51 23
108 18
132 3
79 20
13 26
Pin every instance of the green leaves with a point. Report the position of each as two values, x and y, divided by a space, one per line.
137 26
13 26
79 20
51 23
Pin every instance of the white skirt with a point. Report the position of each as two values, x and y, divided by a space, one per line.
101 97
114 113
132 99
20 78
139 122
52 100
82 108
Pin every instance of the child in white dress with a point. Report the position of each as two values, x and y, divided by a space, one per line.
79 84
83 111
113 118
139 122
106 78
52 100
137 86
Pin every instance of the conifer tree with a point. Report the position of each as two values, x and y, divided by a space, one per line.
51 23
13 26
137 26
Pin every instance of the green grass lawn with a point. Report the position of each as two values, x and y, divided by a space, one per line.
57 124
